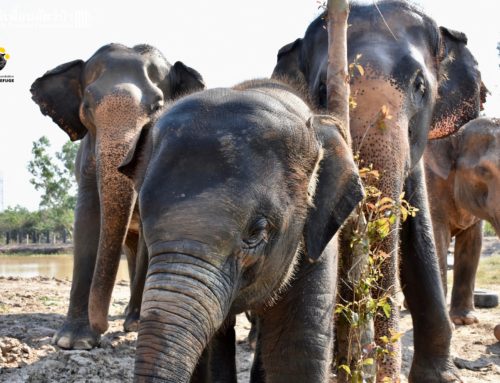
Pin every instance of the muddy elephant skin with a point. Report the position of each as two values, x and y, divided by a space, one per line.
105 101
243 192
406 93
463 182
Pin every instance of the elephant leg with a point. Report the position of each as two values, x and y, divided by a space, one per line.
257 374
223 353
423 290
442 239
252 335
217 364
137 286
296 333
130 250
467 253
76 332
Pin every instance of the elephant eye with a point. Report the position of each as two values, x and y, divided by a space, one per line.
482 171
257 234
420 87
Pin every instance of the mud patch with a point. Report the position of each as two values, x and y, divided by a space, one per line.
32 309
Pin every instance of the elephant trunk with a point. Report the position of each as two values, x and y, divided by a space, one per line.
185 301
379 129
119 123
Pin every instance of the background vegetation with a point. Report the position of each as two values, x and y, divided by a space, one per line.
53 176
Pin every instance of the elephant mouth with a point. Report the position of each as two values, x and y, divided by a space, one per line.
186 247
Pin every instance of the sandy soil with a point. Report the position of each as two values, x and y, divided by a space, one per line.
32 309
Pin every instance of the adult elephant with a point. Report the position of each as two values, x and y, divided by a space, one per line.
406 95
463 181
106 101
223 238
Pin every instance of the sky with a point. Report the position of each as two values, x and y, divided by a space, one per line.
227 41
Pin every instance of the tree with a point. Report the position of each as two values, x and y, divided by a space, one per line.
54 177
17 223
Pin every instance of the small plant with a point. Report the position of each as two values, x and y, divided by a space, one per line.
376 216
48 301
488 229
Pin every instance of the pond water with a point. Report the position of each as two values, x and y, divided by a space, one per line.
57 266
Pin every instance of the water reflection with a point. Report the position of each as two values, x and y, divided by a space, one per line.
57 266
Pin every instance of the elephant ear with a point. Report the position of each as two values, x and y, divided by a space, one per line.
460 90
440 156
184 80
58 93
288 65
338 186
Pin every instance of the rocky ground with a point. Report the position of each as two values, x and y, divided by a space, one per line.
32 309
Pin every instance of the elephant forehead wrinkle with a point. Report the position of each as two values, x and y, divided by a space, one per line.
228 148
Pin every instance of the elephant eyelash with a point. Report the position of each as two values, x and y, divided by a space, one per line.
258 234
420 85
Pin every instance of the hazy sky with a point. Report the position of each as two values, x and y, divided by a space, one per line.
227 41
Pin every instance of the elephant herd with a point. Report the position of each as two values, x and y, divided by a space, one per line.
234 199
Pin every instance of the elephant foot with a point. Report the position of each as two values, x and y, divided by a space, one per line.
463 317
76 335
434 370
131 321
252 337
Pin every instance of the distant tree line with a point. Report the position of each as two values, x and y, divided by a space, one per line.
54 177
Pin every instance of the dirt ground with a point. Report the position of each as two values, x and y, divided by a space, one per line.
32 309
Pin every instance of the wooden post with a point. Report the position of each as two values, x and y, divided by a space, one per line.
350 340
337 79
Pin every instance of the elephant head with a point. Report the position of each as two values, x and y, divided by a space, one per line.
418 82
473 156
109 99
237 186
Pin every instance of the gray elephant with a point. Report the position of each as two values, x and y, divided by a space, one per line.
241 192
419 81
106 101
463 181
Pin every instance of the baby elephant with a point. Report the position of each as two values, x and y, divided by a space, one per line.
463 181
242 192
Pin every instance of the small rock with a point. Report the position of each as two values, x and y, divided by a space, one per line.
80 360
50 364
8 344
26 349
496 331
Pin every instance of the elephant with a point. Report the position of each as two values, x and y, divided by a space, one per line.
463 182
418 81
106 102
241 191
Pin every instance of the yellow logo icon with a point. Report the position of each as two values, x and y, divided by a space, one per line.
4 56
